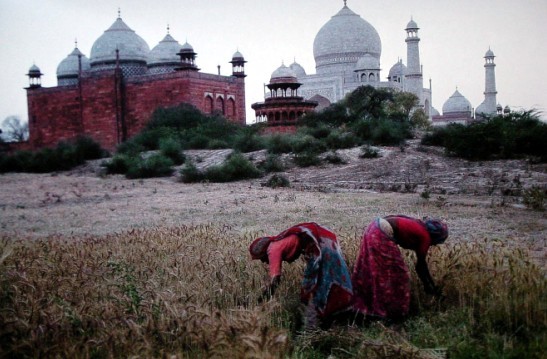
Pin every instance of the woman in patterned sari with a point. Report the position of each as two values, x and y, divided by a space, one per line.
326 286
381 281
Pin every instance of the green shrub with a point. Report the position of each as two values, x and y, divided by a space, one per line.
534 198
189 173
307 159
64 156
235 168
248 140
217 144
171 148
368 151
277 180
309 144
339 139
334 158
278 144
272 163
119 164
156 165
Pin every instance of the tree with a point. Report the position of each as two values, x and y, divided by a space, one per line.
14 129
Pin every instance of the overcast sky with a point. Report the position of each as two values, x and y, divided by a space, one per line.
454 38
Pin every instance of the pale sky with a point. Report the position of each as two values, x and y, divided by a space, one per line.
454 38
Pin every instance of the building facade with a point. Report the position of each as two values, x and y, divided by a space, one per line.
347 51
111 96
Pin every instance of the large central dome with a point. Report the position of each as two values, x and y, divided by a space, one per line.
344 39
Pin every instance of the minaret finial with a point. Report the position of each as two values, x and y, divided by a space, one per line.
119 13
345 2
167 29
76 43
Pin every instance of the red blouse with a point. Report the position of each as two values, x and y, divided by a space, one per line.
287 249
410 233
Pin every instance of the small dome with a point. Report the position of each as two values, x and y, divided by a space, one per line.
119 36
434 112
456 103
237 56
298 69
34 70
412 25
70 66
507 109
482 109
165 52
489 53
344 39
367 62
499 107
186 47
283 74
397 70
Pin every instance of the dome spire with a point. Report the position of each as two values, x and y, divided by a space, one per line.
119 13
167 29
345 3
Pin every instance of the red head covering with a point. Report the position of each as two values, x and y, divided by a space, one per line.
259 247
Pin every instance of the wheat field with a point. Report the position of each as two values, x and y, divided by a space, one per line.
110 268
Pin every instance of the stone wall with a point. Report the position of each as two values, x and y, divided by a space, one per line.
110 109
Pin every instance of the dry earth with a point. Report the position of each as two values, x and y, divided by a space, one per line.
477 199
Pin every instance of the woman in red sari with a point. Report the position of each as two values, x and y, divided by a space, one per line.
326 286
381 280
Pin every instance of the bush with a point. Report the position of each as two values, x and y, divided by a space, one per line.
276 181
64 156
307 159
519 135
189 173
368 151
171 148
534 198
272 163
119 164
235 168
339 139
278 144
334 158
156 165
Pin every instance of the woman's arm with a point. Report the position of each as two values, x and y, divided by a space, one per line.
269 290
423 273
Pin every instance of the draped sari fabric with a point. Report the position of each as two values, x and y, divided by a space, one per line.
326 282
381 280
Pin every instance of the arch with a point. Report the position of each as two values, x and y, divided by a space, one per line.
372 77
231 107
220 105
363 77
208 105
322 102
426 107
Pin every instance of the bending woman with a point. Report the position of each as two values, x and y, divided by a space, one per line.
326 286
381 280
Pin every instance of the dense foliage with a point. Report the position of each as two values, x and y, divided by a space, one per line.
64 156
517 135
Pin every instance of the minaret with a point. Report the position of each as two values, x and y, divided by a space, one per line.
490 92
414 79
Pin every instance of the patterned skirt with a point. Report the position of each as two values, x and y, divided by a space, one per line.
381 281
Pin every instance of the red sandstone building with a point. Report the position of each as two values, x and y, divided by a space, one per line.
281 110
111 96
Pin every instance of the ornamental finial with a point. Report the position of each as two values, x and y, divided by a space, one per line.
119 13
345 2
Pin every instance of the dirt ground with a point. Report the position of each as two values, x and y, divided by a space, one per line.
478 200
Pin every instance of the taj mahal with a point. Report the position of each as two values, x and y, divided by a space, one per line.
347 51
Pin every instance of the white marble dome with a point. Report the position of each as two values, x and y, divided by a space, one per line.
345 38
298 69
70 66
283 74
367 62
237 56
489 53
397 70
456 103
119 36
165 52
